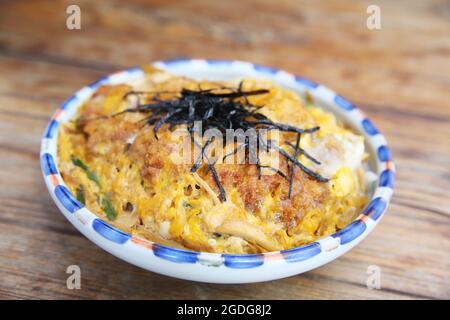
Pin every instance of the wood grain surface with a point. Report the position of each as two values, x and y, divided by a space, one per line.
399 76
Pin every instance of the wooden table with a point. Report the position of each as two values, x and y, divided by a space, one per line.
399 76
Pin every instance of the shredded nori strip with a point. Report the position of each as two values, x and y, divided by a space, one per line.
292 168
221 111
128 206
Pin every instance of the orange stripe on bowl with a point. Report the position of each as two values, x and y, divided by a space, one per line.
271 256
363 115
388 165
365 217
54 180
142 242
57 114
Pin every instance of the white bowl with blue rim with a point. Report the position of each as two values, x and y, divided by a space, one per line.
215 267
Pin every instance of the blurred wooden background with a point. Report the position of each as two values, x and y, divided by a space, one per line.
399 76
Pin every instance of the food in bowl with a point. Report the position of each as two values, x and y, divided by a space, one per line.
123 156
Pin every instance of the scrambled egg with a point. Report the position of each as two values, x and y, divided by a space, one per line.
117 168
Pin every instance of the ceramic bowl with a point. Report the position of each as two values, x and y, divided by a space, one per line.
212 267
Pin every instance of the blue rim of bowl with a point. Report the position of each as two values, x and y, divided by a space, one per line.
368 217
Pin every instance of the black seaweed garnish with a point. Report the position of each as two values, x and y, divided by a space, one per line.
221 110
